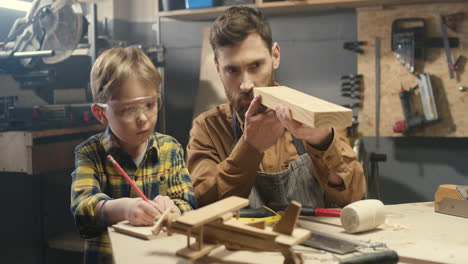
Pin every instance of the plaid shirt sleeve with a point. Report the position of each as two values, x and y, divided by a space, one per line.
180 188
86 193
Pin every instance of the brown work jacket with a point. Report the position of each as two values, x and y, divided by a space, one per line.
218 169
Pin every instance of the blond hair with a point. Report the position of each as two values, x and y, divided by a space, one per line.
115 66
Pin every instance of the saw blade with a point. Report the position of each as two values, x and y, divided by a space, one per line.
463 190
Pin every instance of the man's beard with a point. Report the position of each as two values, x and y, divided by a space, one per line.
241 109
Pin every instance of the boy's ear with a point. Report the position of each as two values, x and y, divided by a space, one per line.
99 114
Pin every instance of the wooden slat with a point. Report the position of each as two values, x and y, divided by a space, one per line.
305 108
299 235
212 212
293 7
143 232
66 131
239 227
194 253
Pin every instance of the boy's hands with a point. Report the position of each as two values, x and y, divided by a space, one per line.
164 202
142 213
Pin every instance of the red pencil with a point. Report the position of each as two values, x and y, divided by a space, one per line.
122 172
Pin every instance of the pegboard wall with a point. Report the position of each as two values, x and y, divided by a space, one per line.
452 104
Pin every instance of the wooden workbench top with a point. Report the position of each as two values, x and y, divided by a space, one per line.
413 230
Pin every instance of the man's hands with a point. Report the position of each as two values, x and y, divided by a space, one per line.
318 137
261 130
142 213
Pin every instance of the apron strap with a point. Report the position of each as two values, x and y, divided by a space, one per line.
236 131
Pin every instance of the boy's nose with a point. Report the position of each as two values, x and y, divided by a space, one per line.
141 117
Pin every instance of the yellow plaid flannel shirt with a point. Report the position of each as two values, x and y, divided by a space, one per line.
161 172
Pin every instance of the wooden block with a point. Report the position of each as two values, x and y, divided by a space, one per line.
299 235
446 191
307 109
288 221
212 212
143 232
194 253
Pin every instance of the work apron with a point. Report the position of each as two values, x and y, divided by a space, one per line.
297 183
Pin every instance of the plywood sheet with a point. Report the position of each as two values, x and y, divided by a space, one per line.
210 91
451 103
307 109
143 232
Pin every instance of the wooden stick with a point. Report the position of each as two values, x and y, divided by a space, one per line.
158 225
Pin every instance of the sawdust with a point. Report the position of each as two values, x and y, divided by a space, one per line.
394 227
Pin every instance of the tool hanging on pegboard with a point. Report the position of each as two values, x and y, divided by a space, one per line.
354 46
450 21
414 120
351 88
409 42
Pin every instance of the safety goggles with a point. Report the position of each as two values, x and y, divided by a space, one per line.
131 109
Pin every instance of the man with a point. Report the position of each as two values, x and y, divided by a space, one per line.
240 149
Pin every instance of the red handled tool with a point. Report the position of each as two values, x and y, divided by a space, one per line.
309 211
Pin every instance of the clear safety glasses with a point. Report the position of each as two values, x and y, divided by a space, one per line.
131 109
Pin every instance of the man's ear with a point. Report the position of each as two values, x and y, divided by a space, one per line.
216 64
99 114
275 55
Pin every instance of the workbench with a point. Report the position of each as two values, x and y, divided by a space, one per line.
35 168
413 230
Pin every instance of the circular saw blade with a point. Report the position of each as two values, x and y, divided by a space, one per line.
63 28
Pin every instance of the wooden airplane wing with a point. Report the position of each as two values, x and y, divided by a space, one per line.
212 212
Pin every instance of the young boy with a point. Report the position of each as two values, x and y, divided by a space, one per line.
125 88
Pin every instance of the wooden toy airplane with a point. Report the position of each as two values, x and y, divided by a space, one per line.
213 226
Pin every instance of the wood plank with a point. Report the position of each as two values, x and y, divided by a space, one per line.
212 212
305 108
143 232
